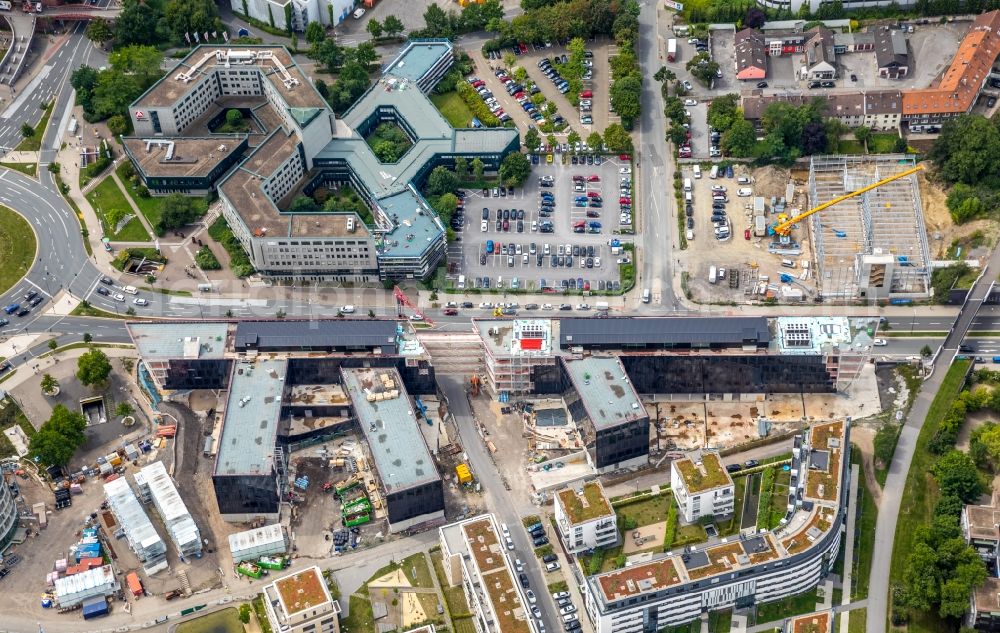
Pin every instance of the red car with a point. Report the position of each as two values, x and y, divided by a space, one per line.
586 94
746 234
624 200
450 311
593 194
593 178
625 157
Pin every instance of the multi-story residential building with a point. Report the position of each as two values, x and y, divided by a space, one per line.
981 528
984 607
878 109
751 55
302 603
702 487
794 6
474 557
585 517
292 145
962 81
675 588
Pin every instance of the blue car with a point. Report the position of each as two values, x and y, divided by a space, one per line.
489 247
594 225
12 308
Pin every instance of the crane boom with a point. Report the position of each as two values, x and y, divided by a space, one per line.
785 227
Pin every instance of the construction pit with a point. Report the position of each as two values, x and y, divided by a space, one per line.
873 246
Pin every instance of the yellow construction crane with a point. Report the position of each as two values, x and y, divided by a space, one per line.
784 228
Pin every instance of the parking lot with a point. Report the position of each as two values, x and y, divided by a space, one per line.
530 263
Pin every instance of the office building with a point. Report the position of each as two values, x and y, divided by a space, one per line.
585 518
702 487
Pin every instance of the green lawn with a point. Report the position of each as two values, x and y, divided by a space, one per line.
864 539
720 621
920 493
882 143
787 608
107 196
17 248
151 207
732 526
34 142
647 511
360 620
417 572
225 621
850 147
9 416
453 109
28 169
857 622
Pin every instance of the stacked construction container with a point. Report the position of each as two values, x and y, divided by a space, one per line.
142 537
156 485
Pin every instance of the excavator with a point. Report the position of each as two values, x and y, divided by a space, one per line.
783 227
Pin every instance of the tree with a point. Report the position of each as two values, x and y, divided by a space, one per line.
26 130
392 26
59 437
478 169
437 23
661 74
442 180
234 117
49 384
327 53
863 135
755 18
703 68
176 211
83 81
124 409
988 436
532 139
136 23
899 145
515 169
191 16
118 125
625 98
93 367
315 33
967 150
926 351
573 137
375 28
509 60
814 139
461 167
99 31
53 344
617 138
371 314
87 337
245 610
365 54
957 474
724 111
141 62
739 140
595 140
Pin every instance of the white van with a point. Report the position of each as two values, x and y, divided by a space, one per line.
787 263
461 282
645 295
916 129
687 184
714 173
697 171
358 13
132 290
348 309
690 235
688 198
744 192
743 180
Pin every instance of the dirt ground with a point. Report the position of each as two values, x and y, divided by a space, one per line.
749 257
941 230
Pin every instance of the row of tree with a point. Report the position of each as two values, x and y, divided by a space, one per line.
451 23
155 22
615 139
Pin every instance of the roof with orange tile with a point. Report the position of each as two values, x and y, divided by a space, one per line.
969 69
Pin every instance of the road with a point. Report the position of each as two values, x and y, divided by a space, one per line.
892 492
655 173
453 387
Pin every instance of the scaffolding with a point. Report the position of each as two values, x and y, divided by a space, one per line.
873 246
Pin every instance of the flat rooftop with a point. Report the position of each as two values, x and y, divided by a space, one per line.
585 503
418 58
702 471
273 63
983 522
986 597
387 418
285 334
808 525
188 156
826 455
811 623
303 590
251 424
514 337
812 335
605 390
317 395
671 331
490 558
415 227
168 340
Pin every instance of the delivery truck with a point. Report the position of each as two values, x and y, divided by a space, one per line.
672 50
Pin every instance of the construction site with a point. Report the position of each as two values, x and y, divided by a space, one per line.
850 229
